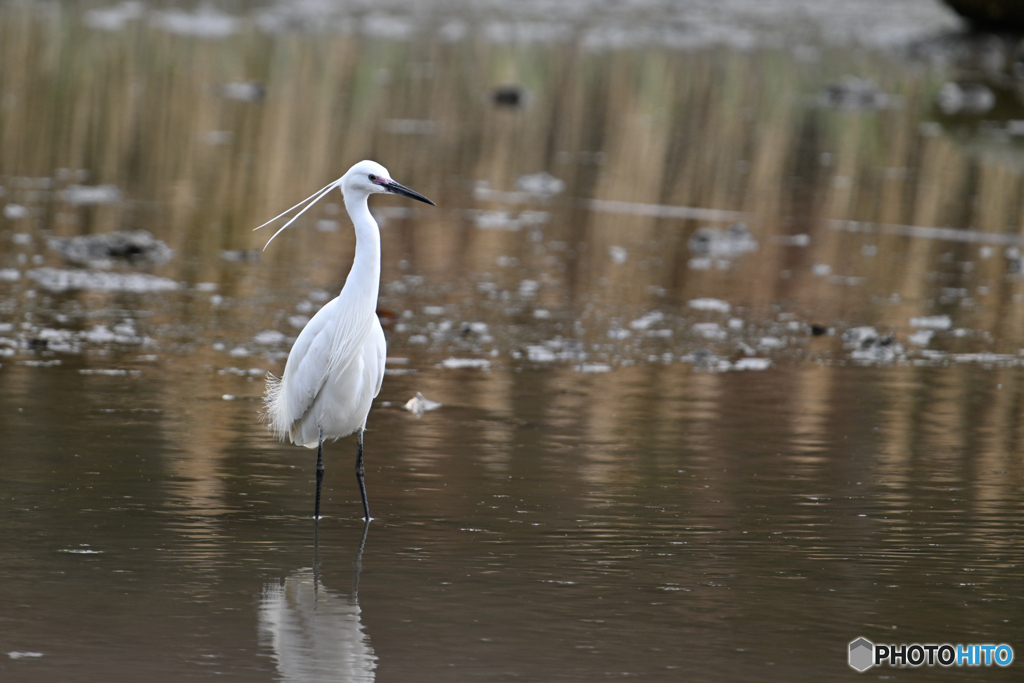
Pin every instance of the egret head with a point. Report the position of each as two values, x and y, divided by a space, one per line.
369 177
362 180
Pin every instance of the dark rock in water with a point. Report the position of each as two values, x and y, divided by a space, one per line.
868 346
991 15
860 337
101 251
701 358
509 96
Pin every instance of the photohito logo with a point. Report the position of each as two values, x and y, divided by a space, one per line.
864 654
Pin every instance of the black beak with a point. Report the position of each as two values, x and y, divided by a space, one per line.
395 188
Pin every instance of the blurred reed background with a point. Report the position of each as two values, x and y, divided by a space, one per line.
154 114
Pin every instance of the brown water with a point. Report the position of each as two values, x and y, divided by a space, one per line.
665 451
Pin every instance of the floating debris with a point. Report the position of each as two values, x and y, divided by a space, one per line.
709 304
458 363
419 404
932 322
703 359
928 232
554 350
851 93
20 655
81 195
592 367
870 347
799 240
110 372
100 251
645 321
123 333
752 364
709 330
59 280
528 288
243 91
270 337
734 241
251 372
541 184
690 213
921 337
503 220
856 337
239 255
205 22
113 18
477 332
965 98
15 211
985 358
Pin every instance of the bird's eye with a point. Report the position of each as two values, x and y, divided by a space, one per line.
373 178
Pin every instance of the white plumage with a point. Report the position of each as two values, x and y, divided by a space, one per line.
336 366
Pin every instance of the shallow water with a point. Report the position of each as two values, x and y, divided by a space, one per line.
668 447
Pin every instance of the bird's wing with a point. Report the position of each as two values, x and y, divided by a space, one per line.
350 327
382 353
306 370
325 348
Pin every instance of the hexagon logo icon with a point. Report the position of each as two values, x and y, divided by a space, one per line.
862 654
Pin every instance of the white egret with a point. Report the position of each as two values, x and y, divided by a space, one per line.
336 366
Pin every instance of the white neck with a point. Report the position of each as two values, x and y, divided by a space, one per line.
363 282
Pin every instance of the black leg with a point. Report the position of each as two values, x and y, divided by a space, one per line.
319 473
360 474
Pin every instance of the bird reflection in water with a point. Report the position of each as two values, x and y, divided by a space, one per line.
316 634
